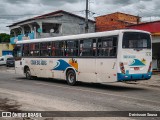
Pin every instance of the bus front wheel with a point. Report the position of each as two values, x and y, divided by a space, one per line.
28 74
71 77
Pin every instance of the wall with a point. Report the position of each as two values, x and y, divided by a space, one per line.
5 46
75 25
127 17
114 21
68 25
106 22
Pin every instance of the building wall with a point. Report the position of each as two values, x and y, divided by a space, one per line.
114 21
127 17
106 22
74 25
5 46
67 25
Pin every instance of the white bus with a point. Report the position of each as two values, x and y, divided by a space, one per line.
120 55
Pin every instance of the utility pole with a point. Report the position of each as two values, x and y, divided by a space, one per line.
86 20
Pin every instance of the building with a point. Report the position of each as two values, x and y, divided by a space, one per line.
6 49
115 21
53 24
154 28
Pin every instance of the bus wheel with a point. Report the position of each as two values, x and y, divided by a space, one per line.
71 77
28 74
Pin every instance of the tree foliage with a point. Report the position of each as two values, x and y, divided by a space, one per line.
4 38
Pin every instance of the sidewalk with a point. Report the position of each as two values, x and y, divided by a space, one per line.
153 82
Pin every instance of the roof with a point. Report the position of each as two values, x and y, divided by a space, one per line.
81 36
144 23
49 14
120 13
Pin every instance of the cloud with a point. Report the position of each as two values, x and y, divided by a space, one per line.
15 10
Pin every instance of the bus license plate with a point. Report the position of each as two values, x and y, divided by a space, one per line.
136 68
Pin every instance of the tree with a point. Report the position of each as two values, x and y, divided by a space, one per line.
4 37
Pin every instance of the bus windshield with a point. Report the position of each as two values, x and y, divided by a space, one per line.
17 51
136 40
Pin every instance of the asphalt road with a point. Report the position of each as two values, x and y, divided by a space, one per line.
56 95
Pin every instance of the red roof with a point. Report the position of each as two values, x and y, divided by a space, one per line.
153 27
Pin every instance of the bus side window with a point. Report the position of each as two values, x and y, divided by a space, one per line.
99 47
53 49
94 47
49 46
25 50
86 47
34 49
71 48
59 48
46 49
107 47
113 51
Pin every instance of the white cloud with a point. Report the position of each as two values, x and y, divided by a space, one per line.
15 10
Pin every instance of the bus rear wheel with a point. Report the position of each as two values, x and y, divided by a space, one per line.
71 77
28 74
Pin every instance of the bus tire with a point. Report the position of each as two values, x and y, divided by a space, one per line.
28 74
71 77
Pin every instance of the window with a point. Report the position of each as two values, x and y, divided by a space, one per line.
34 49
86 47
10 58
46 49
2 59
53 50
17 51
107 47
59 48
71 48
136 40
25 50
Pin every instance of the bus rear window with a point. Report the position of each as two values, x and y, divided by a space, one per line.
136 40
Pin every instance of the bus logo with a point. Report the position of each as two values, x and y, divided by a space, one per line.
63 65
137 62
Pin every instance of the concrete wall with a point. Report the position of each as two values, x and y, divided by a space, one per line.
155 39
74 25
5 46
69 24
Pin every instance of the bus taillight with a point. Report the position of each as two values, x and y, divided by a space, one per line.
122 68
150 66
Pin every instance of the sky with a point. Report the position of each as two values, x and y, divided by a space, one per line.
12 11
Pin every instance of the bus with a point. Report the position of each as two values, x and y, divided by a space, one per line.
101 57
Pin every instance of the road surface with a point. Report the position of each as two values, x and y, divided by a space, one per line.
56 95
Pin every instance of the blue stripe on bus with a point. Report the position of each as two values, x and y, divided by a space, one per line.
61 65
127 77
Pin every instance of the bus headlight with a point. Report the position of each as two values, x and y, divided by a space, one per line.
122 68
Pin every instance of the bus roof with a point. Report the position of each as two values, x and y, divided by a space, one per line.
80 36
